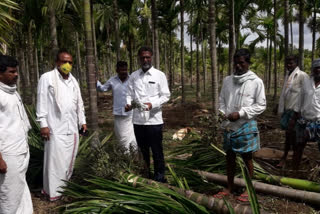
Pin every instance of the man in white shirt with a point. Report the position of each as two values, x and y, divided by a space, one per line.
15 196
123 126
242 98
308 125
147 92
60 112
288 100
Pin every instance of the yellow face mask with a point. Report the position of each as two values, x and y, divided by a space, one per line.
66 68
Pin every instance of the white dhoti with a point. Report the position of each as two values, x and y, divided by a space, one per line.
123 128
59 156
15 196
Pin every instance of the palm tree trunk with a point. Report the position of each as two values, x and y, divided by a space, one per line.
314 24
36 63
53 34
191 53
32 74
156 54
275 49
116 28
267 62
182 51
95 45
22 74
203 52
301 35
231 35
93 112
270 62
170 62
213 56
286 33
198 95
78 57
291 35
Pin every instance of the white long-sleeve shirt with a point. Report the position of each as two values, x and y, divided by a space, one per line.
59 104
148 87
309 100
14 123
119 93
291 90
247 98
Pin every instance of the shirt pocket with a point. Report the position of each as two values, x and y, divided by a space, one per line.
152 88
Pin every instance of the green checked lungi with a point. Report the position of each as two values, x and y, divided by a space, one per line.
245 139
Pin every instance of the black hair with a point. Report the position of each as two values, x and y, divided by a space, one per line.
295 58
62 50
145 48
121 64
243 52
7 61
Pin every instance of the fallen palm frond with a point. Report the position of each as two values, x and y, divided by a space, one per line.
214 204
36 147
298 195
250 190
105 196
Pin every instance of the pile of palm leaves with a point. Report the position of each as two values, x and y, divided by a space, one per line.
36 146
105 196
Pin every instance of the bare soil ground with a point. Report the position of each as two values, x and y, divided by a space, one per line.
178 116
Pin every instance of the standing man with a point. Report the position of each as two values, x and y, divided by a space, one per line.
148 91
123 126
288 101
308 125
242 98
60 112
14 150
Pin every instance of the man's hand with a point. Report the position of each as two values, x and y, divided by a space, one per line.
127 108
45 133
234 116
84 127
3 166
149 106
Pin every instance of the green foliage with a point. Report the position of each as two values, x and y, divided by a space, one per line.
250 190
105 196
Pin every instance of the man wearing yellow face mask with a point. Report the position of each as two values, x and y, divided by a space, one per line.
60 112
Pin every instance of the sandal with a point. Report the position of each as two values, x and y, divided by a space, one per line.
221 195
243 197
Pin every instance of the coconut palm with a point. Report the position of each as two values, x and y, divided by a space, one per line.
91 74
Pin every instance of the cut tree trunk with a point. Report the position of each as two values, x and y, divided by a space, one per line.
299 195
211 203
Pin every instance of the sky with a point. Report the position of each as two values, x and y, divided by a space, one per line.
295 26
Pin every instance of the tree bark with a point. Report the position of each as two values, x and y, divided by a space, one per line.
231 35
198 92
78 57
182 51
275 29
301 35
204 70
314 25
156 53
213 55
93 110
191 53
116 28
32 70
299 195
53 34
286 33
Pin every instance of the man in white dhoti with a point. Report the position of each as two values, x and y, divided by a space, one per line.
15 196
60 111
123 126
